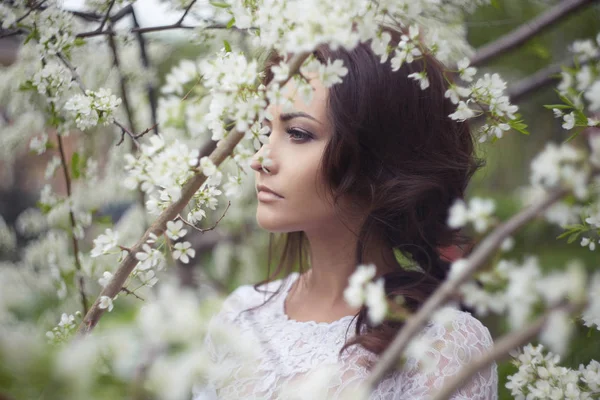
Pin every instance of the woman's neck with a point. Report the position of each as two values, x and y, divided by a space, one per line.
333 259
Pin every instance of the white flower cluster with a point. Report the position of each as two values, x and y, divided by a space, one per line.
487 91
55 29
561 165
66 327
105 243
540 377
479 212
52 80
583 78
160 170
362 290
518 289
93 108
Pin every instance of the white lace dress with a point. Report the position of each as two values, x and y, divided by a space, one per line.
297 360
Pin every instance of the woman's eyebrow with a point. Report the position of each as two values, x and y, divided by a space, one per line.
298 114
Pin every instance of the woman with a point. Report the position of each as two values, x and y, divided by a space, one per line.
366 170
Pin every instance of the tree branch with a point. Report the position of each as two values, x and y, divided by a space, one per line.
500 349
150 89
80 281
485 248
221 152
122 83
526 31
106 16
541 78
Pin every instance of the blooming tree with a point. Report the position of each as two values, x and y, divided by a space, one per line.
182 153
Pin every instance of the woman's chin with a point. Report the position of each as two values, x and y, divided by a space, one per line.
271 224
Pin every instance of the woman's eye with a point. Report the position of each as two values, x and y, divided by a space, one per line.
298 135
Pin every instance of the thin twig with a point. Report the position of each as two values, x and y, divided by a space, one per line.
132 135
501 348
124 289
150 89
106 16
80 281
32 9
220 153
71 68
123 85
206 229
486 248
529 29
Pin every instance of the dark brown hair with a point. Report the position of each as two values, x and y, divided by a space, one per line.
394 148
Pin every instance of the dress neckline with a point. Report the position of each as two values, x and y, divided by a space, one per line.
289 282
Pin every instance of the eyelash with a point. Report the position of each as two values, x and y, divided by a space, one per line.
305 136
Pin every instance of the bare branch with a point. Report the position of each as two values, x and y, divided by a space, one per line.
500 350
220 153
541 78
74 241
486 248
106 16
150 89
125 290
526 31
186 11
123 85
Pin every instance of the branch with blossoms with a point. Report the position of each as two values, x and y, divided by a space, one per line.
475 261
223 150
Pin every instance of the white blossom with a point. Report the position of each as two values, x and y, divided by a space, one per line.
106 303
207 166
569 121
421 77
106 278
105 243
463 112
39 144
183 252
175 230
376 301
466 72
593 96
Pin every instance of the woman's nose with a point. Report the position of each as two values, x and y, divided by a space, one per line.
262 162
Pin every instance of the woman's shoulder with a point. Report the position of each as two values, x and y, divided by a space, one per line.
454 325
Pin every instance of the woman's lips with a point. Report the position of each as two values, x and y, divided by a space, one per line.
265 196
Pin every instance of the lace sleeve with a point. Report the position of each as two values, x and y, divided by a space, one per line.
451 344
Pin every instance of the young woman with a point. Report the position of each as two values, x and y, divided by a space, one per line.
370 166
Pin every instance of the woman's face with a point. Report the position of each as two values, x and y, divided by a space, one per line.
296 144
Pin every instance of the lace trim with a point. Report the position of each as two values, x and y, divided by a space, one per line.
283 314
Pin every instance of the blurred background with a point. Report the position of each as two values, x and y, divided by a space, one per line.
506 169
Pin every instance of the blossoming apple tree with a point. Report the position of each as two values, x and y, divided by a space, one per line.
179 156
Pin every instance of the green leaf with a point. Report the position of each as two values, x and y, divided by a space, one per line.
519 126
27 85
559 106
75 162
406 261
227 46
79 42
495 4
231 23
219 4
105 219
573 237
573 136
